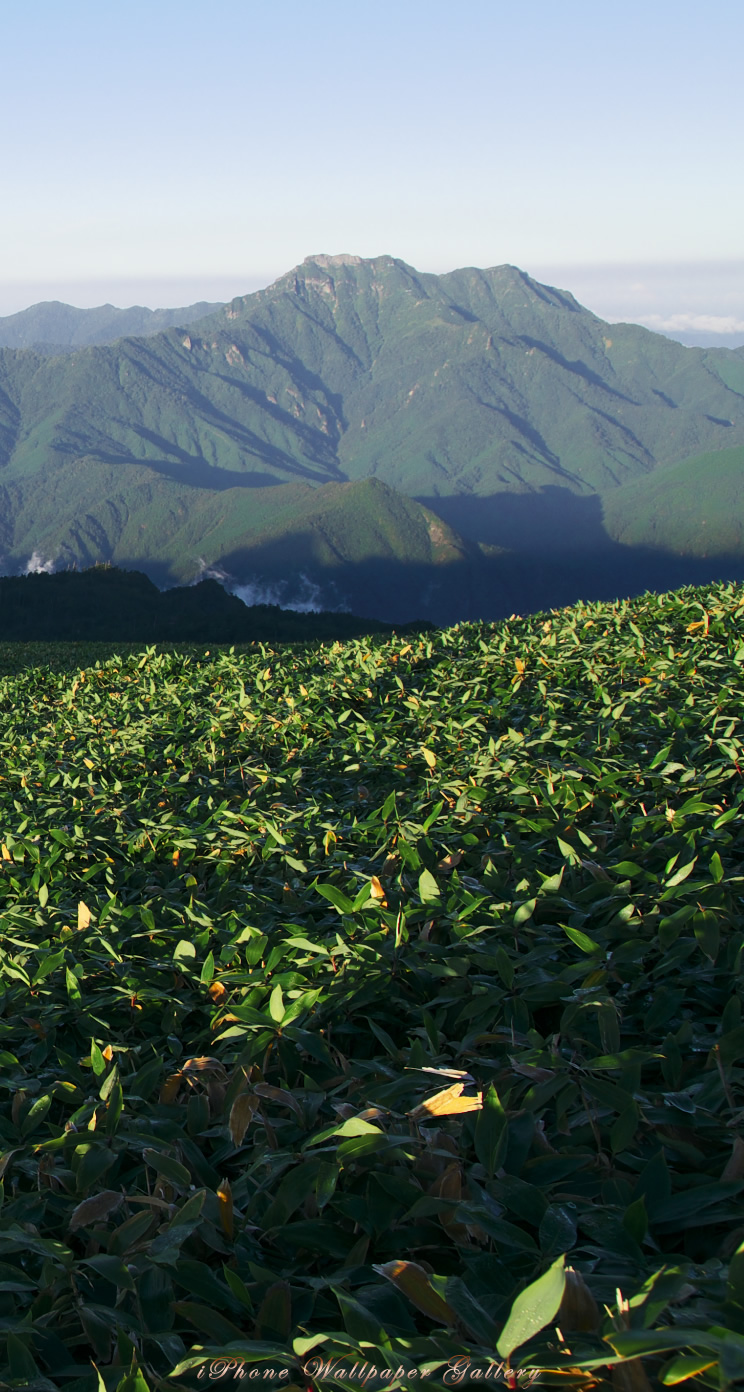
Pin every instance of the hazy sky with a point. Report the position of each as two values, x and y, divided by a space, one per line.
163 151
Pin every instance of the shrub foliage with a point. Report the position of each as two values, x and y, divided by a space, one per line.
376 1003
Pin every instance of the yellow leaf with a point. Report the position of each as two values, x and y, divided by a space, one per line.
449 1102
376 889
430 757
89 763
170 1089
83 916
518 663
217 992
6 853
176 857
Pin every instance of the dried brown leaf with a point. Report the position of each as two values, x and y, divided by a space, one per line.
205 1064
529 1070
413 1281
95 1208
275 1094
241 1115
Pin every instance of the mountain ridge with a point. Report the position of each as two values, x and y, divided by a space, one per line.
478 394
52 327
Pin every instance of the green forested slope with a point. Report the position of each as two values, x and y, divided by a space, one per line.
695 507
499 402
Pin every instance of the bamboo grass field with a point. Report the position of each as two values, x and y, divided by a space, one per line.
376 1003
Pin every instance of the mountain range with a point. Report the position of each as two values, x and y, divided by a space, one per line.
412 445
52 327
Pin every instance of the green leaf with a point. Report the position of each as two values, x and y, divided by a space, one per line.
169 1168
524 912
274 1316
134 1380
491 1132
682 874
429 891
276 1005
74 993
340 901
113 1269
533 1309
731 1046
736 1276
353 1126
716 868
208 1321
557 1230
707 932
20 1360
635 1220
687 1366
581 940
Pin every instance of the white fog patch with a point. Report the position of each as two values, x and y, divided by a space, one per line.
212 572
36 565
296 592
299 593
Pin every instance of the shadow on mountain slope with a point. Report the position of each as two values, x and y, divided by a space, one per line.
114 604
553 519
478 586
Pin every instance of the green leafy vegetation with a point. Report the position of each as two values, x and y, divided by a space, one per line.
376 1002
501 406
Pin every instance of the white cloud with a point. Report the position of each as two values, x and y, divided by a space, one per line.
36 565
301 594
693 323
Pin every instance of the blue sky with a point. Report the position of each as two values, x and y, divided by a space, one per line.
173 150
